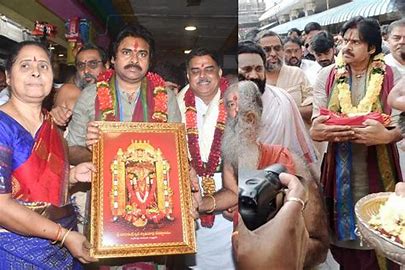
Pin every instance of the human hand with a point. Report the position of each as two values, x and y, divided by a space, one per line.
374 133
61 115
196 194
230 212
82 172
284 234
294 187
93 134
400 189
79 247
332 133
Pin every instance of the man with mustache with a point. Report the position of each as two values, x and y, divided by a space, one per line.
293 56
279 109
133 50
323 46
291 79
203 111
359 160
396 44
241 150
90 61
133 87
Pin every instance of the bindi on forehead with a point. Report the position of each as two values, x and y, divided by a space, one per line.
352 33
136 45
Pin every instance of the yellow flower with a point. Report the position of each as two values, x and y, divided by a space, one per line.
372 91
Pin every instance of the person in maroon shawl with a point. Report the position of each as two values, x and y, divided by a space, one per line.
34 173
360 159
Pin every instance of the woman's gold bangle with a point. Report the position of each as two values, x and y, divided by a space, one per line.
58 235
65 236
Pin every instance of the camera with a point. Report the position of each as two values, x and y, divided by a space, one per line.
258 194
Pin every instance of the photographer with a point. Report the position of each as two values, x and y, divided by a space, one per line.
285 236
241 150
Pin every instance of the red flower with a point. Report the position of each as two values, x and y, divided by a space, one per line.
105 76
156 80
161 102
160 96
106 96
193 145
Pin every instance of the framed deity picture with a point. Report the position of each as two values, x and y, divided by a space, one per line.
141 193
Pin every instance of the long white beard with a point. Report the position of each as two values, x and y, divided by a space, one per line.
239 146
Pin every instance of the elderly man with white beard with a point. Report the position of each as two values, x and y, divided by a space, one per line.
241 150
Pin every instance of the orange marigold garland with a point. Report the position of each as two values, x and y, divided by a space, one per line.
205 170
106 95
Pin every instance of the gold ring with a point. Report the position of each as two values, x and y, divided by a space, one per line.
298 200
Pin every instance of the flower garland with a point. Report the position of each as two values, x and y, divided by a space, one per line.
107 96
160 97
206 171
373 88
104 94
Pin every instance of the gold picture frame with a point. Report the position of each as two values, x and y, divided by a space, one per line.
141 193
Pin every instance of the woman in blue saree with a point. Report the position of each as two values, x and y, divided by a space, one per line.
37 229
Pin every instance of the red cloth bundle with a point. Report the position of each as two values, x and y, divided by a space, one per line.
355 121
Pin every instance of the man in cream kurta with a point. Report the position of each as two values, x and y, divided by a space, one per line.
214 249
291 79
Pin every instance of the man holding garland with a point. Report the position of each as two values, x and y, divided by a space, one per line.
203 111
359 160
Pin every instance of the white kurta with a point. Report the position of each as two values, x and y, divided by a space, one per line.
282 124
390 60
214 247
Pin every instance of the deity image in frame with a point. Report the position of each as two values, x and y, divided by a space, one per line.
141 193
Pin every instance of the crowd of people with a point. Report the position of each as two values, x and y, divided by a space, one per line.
274 114
324 76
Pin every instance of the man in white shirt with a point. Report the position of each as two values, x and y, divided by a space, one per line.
293 56
396 43
203 110
291 79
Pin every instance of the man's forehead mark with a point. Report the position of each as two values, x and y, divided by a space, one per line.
136 45
35 59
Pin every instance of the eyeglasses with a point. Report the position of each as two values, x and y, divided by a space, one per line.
276 48
93 64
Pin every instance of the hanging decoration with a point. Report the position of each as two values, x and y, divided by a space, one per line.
44 30
77 34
